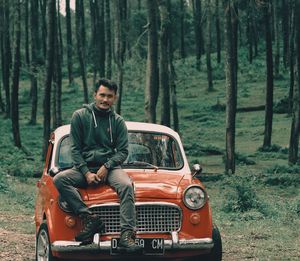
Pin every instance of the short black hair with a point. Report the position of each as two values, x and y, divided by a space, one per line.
107 83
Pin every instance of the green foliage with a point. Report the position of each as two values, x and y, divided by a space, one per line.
282 175
3 182
243 196
242 159
197 150
281 106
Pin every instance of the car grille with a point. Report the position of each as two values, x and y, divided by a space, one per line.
151 218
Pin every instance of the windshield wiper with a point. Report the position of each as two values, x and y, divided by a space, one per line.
140 163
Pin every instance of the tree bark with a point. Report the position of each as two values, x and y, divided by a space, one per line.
120 45
81 45
35 56
164 64
16 75
172 74
292 58
152 72
269 87
6 57
295 128
230 88
197 19
57 79
101 38
208 46
51 15
108 50
218 32
285 32
26 18
43 8
69 43
277 38
182 31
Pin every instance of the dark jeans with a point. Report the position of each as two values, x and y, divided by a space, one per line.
69 180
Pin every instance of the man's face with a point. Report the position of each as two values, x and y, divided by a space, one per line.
104 97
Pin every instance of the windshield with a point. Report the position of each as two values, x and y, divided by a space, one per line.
146 150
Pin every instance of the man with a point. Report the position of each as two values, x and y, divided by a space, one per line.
99 145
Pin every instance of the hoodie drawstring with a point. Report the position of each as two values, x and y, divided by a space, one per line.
94 117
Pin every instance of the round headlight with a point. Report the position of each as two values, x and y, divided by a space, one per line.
194 197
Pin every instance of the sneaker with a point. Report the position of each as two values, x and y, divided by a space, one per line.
91 225
127 242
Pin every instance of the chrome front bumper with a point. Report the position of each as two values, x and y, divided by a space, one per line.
102 246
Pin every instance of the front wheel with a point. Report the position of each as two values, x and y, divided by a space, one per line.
216 252
43 248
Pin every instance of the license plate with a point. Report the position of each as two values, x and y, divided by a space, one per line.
150 246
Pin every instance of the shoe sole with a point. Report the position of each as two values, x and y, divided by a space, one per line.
89 237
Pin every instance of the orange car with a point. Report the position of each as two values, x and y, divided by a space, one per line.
174 219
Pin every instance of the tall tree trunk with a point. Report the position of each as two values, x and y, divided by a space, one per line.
101 38
16 75
94 36
69 43
108 50
26 18
81 42
51 15
120 44
277 38
57 78
43 7
35 54
164 63
285 31
269 87
182 33
152 72
230 87
197 17
218 33
295 128
292 58
59 33
172 74
208 46
250 33
6 57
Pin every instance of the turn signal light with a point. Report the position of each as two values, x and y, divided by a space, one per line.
195 218
70 221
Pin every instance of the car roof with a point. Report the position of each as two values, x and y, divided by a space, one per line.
131 126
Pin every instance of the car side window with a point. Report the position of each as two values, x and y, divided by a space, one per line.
64 154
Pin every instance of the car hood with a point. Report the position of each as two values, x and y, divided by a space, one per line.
147 184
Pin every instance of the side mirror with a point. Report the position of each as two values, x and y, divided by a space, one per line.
196 170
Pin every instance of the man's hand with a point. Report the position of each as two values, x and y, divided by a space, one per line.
102 173
92 178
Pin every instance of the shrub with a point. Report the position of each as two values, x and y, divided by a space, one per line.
282 175
243 197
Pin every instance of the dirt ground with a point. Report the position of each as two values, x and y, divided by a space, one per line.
16 246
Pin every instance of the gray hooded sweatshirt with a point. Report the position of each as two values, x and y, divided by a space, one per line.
97 137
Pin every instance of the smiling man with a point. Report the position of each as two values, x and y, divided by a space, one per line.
99 145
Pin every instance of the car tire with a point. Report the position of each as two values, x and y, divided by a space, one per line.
43 247
216 252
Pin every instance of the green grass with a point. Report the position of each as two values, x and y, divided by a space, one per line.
264 231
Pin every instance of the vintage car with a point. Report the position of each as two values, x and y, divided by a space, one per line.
174 219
